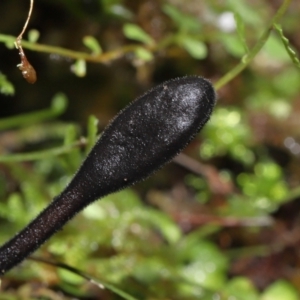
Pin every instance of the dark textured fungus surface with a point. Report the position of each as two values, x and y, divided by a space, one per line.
142 138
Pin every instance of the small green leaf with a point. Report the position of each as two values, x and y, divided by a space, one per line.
183 21
70 135
91 132
59 103
10 43
134 32
287 46
119 10
33 35
195 48
69 276
240 288
165 225
143 54
79 68
15 204
72 159
233 45
240 27
246 11
6 87
206 264
280 290
91 43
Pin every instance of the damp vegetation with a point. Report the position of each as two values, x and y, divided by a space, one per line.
220 221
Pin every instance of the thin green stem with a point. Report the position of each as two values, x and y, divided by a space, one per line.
58 106
246 60
115 54
39 155
29 118
78 272
101 58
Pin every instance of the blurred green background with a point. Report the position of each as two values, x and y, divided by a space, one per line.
222 220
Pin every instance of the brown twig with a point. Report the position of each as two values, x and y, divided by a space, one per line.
225 221
27 69
216 183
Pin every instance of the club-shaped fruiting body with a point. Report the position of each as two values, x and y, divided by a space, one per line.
142 138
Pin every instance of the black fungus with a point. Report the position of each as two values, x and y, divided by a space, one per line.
142 138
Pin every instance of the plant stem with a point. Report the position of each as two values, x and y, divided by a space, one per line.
246 60
93 281
19 38
30 118
101 58
58 106
39 155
